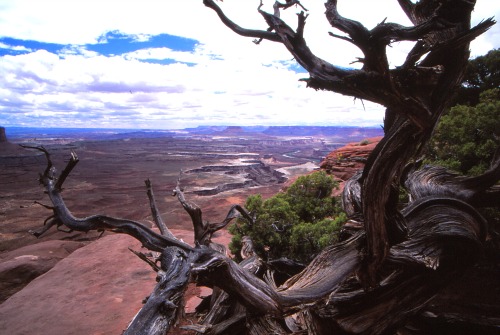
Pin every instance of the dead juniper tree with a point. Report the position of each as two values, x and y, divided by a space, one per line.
406 268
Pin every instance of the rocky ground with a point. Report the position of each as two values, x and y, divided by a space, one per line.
79 283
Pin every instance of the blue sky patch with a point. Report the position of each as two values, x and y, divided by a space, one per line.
116 43
113 43
296 67
13 46
166 61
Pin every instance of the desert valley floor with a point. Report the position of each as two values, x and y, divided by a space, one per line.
98 288
216 170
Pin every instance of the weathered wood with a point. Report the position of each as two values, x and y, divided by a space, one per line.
155 212
203 230
63 216
166 302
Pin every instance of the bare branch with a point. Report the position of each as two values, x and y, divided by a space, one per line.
323 74
409 9
143 257
456 41
154 211
267 35
63 216
196 215
203 231
67 170
213 268
234 212
358 33
49 169
49 222
43 205
288 4
165 304
341 37
437 181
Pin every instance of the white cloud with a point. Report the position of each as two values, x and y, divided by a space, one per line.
15 48
233 80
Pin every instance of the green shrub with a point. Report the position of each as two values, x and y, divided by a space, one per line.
467 136
297 223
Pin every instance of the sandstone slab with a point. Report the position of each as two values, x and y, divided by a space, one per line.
96 290
20 266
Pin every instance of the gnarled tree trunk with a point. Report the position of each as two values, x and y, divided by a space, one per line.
392 270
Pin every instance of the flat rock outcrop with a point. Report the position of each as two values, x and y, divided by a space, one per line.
95 290
21 266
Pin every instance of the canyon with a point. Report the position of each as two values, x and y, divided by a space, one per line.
67 272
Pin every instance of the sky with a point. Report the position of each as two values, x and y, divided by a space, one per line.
171 64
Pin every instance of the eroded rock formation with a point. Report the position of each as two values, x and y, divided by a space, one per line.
345 161
255 173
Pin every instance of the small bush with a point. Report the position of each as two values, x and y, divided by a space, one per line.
297 223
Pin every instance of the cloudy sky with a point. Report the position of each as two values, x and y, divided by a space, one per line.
172 64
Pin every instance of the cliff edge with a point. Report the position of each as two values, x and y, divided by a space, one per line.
344 162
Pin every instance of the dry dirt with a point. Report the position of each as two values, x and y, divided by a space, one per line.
109 179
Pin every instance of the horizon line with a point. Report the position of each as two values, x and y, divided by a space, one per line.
199 126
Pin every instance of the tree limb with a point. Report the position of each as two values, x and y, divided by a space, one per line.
154 211
166 302
236 28
63 216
